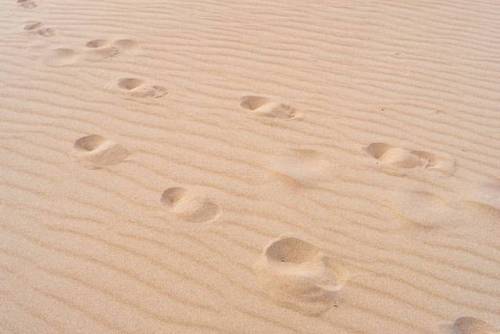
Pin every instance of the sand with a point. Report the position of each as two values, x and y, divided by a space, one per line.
249 166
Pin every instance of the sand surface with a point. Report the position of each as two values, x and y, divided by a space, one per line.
174 166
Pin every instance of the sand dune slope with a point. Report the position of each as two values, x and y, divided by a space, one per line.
249 166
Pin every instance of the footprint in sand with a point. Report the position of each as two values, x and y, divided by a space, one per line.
139 88
95 152
485 194
296 274
267 107
61 57
471 325
425 211
189 206
95 50
391 156
99 49
300 167
38 28
29 4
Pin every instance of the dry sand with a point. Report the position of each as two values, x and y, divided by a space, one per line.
174 166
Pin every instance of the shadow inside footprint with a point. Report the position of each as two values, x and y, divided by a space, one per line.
297 274
264 106
403 158
190 207
95 151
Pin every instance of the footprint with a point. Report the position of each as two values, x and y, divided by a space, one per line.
32 25
264 106
95 151
425 211
61 57
486 194
300 167
37 27
125 44
296 274
137 87
190 207
398 157
96 43
29 4
471 325
99 49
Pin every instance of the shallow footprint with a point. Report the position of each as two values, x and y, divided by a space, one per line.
300 167
125 44
95 151
137 87
29 4
398 157
32 25
296 274
38 28
471 325
99 49
62 57
190 207
487 194
264 106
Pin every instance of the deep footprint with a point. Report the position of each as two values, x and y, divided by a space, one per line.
95 151
296 274
264 106
138 88
398 157
190 207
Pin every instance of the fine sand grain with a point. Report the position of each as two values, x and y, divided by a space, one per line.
250 166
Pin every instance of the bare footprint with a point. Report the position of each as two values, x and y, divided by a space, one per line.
264 106
296 274
38 28
95 151
422 211
125 44
61 57
99 49
398 157
138 88
486 194
29 4
471 325
190 207
300 167
32 25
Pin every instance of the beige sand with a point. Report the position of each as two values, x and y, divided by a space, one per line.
176 166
